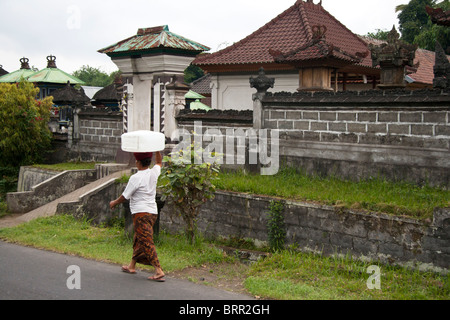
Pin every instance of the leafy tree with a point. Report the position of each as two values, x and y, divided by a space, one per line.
24 132
192 73
413 17
379 34
188 185
94 76
416 26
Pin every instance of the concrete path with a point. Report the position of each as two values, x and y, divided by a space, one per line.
50 208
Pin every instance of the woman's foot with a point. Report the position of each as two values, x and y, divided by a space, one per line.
157 278
128 270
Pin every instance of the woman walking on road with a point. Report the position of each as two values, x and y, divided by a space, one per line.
141 191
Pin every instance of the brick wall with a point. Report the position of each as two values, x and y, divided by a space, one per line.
97 134
323 229
410 127
398 135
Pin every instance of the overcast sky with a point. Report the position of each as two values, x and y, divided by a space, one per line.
74 31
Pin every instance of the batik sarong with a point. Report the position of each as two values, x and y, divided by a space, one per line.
144 251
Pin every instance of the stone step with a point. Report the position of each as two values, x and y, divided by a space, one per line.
50 208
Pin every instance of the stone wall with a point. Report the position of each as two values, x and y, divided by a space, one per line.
48 190
95 135
324 229
399 135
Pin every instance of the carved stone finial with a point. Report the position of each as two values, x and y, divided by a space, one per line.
51 61
24 63
262 83
441 69
393 57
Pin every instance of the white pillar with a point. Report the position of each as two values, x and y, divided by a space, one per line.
139 114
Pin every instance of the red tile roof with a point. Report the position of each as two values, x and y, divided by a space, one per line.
289 33
425 71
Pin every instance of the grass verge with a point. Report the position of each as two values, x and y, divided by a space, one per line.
285 275
65 234
372 195
67 166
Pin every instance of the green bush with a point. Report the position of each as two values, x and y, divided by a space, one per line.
24 132
188 185
276 226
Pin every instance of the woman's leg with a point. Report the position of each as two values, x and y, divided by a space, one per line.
144 247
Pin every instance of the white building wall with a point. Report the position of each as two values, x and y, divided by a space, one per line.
234 91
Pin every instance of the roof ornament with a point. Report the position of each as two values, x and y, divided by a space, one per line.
51 61
262 83
319 32
312 1
393 58
24 63
441 69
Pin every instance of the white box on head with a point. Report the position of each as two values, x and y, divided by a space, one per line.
143 141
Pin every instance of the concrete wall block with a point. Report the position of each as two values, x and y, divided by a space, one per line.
310 115
398 129
414 117
388 117
346 116
277 115
328 116
301 125
377 128
357 127
367 116
293 115
285 125
422 130
337 126
442 130
319 126
435 117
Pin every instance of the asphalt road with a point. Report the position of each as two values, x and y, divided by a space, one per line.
31 274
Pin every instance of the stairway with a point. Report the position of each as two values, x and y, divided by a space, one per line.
50 208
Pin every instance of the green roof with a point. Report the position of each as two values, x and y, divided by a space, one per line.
193 95
154 40
16 76
54 75
197 105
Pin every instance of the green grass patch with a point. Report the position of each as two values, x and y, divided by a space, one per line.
372 195
284 275
291 275
65 234
67 166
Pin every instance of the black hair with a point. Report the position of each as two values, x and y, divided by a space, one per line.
146 162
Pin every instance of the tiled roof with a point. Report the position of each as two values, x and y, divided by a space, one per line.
425 60
288 32
154 38
202 85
